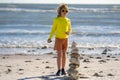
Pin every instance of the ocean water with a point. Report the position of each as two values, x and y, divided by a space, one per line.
29 25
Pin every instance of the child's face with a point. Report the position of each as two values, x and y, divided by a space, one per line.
64 12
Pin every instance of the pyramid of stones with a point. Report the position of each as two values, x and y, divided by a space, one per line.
73 72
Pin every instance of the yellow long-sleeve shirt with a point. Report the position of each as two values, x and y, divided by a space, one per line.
60 27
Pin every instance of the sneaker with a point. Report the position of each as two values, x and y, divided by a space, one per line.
58 73
63 72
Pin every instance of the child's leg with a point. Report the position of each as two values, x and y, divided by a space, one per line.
63 62
59 57
63 58
64 49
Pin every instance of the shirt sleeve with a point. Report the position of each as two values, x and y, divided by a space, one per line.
70 27
53 29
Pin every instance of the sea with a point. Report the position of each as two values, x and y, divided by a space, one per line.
28 25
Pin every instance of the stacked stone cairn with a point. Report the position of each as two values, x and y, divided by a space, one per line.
73 72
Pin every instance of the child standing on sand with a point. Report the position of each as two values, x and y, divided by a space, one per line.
61 28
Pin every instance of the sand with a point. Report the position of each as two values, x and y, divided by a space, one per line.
43 67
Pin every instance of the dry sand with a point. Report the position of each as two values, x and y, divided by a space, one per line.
43 67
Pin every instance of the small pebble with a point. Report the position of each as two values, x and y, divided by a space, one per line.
21 69
110 75
102 61
44 47
28 61
97 75
8 71
86 60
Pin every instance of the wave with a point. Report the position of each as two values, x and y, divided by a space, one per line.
25 10
100 10
37 32
16 25
88 9
116 8
22 32
35 44
72 9
96 34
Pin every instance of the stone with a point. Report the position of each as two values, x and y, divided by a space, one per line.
102 61
44 47
74 61
75 50
8 71
86 60
105 51
73 45
110 75
76 55
97 75
74 66
73 74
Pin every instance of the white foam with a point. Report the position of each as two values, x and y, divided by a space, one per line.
20 31
101 10
25 10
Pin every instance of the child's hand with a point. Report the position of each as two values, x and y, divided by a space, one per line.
68 33
49 40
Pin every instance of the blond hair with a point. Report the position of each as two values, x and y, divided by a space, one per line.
62 6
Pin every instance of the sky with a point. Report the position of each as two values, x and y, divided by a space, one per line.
63 1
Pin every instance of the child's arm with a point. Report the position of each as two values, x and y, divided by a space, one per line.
69 29
53 29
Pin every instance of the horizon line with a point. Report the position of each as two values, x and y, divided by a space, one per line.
66 3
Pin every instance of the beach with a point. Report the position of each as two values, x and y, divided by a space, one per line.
26 55
104 66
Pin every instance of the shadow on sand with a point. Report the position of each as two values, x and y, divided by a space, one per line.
46 77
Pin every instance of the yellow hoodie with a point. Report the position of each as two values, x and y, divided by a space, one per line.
60 27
